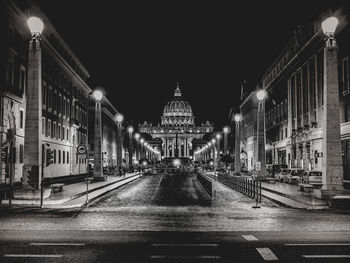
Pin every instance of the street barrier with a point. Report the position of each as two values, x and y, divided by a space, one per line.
207 184
248 186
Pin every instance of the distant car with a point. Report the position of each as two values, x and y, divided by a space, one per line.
312 177
294 176
280 174
272 169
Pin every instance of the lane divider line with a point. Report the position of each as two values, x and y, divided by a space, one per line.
319 244
56 244
184 245
184 257
31 256
267 254
326 256
249 237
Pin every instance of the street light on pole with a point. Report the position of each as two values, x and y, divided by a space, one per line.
218 137
137 138
226 131
332 169
119 119
260 165
33 123
130 130
238 119
98 171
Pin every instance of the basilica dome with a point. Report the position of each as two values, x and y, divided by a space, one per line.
177 112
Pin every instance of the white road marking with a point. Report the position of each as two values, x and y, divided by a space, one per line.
326 256
184 245
319 244
31 256
250 237
184 257
56 244
267 254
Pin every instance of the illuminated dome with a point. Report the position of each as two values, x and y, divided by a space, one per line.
177 112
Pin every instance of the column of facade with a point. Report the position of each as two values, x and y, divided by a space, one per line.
180 148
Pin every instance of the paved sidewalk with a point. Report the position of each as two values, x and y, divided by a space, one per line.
305 199
74 195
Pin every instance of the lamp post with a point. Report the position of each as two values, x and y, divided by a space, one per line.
260 165
98 164
142 154
130 130
238 118
226 131
119 119
218 137
137 152
332 169
33 123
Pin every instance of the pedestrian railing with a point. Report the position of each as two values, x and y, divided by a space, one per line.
248 186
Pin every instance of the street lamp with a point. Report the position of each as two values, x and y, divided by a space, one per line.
33 126
119 118
218 137
332 169
130 130
226 131
137 138
98 164
238 117
260 165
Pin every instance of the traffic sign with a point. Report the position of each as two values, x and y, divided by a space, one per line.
81 155
81 149
258 166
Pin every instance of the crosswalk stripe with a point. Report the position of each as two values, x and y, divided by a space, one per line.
267 254
249 237
31 256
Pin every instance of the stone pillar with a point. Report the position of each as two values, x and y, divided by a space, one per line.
33 122
173 147
180 147
332 168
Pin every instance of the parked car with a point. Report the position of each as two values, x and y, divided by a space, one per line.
312 177
279 175
294 176
272 169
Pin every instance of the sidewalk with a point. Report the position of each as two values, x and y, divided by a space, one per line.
291 196
74 195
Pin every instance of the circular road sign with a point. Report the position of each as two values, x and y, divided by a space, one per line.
81 149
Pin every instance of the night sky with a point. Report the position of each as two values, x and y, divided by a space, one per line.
138 51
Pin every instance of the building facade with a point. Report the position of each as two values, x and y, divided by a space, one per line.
177 132
294 108
63 101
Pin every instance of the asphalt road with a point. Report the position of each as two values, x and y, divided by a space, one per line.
168 218
142 246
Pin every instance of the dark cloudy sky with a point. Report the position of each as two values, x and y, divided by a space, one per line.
138 50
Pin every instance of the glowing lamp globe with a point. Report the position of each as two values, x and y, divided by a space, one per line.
137 136
218 136
98 95
130 129
144 163
261 95
329 25
119 117
35 25
176 162
237 117
226 129
142 140
212 141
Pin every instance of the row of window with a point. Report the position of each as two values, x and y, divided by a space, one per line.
60 156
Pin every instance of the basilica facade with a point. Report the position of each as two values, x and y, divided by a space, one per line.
177 132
